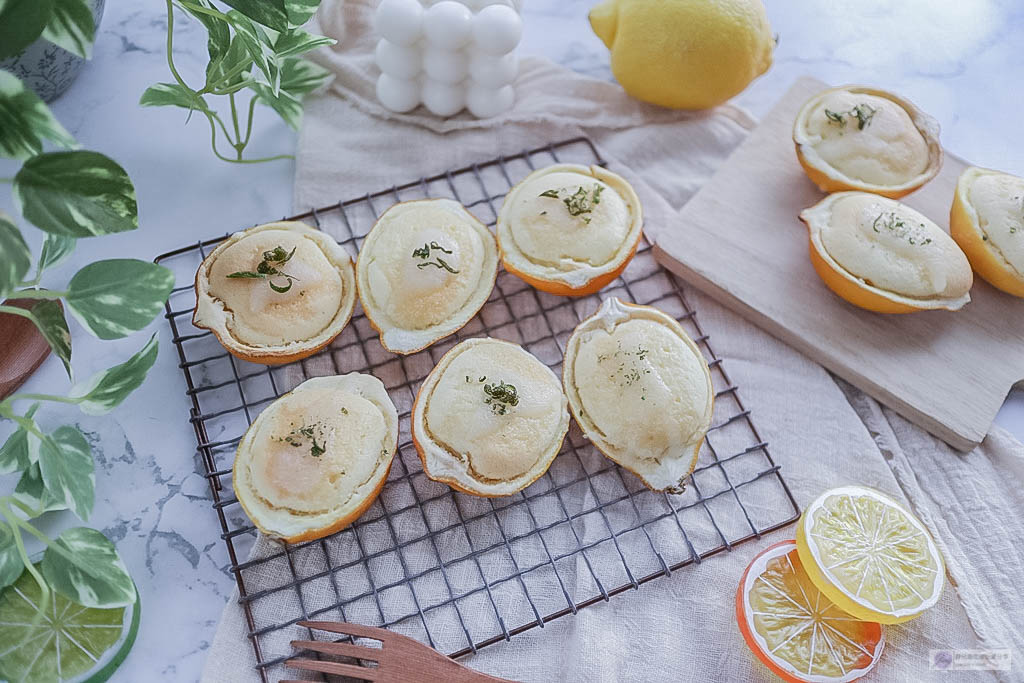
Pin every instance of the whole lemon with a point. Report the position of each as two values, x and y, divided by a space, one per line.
685 54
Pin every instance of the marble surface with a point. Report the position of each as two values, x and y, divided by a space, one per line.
960 61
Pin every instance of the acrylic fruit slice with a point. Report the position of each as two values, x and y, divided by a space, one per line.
870 555
795 630
69 643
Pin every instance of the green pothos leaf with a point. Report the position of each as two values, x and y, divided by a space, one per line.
174 95
77 194
16 454
65 462
295 42
32 491
230 73
115 297
71 26
259 46
285 104
21 22
48 316
56 250
218 31
85 567
301 76
105 390
25 121
11 565
15 257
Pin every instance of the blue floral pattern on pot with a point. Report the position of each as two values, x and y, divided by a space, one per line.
47 69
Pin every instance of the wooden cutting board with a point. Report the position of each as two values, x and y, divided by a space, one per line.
739 240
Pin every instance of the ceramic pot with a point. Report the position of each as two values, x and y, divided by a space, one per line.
47 69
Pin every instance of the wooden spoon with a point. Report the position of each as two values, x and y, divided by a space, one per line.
22 348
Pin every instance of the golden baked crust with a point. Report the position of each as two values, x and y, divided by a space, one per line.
640 390
884 256
257 324
569 229
317 457
861 138
424 270
481 445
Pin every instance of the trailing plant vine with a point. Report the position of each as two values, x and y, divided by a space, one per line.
255 46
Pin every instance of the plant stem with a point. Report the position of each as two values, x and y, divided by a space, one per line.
248 125
11 500
36 294
41 397
44 589
239 145
14 310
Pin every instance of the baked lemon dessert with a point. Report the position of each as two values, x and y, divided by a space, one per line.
489 418
275 293
317 457
424 270
640 390
884 256
861 138
569 229
987 221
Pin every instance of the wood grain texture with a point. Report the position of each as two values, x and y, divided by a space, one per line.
22 348
740 241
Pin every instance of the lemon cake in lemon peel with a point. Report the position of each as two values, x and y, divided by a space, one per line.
569 229
861 138
489 418
275 309
884 256
424 270
316 458
987 221
870 555
640 390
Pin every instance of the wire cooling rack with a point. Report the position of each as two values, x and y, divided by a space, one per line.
452 570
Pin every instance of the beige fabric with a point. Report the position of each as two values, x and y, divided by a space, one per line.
822 434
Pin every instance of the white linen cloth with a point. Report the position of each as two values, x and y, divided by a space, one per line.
822 432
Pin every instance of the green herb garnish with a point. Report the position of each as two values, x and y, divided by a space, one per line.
270 266
308 435
424 253
862 112
579 202
500 397
897 226
631 367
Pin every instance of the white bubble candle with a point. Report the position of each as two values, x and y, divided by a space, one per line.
448 55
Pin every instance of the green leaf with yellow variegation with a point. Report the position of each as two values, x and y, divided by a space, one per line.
11 565
25 120
71 27
116 297
83 565
76 194
48 316
66 465
31 491
15 454
56 250
15 256
105 390
285 104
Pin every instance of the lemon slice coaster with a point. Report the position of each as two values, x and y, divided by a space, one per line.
795 630
870 555
69 643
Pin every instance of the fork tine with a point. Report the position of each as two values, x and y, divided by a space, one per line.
361 672
347 629
370 654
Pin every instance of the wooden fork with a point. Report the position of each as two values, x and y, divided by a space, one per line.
398 660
